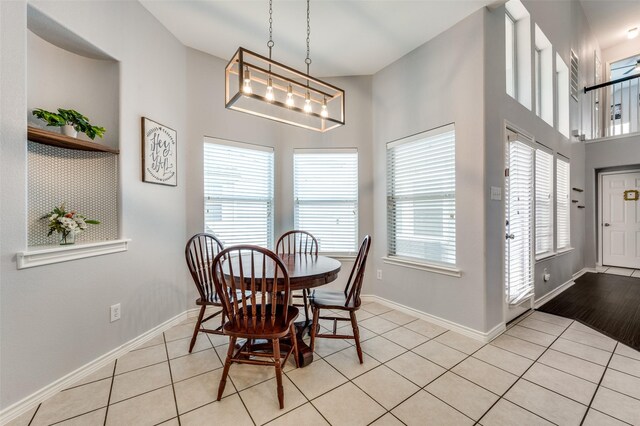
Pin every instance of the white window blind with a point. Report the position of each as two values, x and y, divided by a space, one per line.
544 203
238 192
563 204
519 241
421 197
326 197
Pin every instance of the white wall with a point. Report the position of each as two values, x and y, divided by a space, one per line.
436 84
55 318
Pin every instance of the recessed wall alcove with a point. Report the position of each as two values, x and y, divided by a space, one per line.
85 79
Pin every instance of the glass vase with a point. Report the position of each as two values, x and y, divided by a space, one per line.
67 238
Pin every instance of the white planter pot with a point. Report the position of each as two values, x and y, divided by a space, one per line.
68 130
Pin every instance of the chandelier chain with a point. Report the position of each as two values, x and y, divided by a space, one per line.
308 59
270 43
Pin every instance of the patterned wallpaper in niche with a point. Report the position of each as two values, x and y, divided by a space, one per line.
86 181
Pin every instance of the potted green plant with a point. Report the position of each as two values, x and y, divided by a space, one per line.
71 122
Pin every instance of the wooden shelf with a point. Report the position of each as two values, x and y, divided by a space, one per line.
56 139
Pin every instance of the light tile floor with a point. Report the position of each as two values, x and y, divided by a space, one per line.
627 272
543 370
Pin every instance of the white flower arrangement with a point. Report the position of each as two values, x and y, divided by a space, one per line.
67 223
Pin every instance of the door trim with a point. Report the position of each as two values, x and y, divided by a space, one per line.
598 224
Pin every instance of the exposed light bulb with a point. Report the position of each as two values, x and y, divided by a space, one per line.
324 113
246 87
270 97
289 100
307 102
632 33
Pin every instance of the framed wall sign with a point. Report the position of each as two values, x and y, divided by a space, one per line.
159 154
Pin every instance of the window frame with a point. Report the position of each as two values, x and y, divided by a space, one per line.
567 203
514 53
269 197
355 201
424 263
549 250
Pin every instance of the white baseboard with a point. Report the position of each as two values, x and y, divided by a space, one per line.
484 337
583 271
48 391
556 291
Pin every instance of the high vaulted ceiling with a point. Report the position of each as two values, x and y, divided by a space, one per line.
348 37
611 19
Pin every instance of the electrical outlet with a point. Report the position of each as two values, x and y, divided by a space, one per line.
379 274
115 312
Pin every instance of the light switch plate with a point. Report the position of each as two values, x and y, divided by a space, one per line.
496 193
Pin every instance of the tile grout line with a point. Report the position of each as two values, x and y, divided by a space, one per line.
34 414
173 388
521 378
113 379
598 387
234 385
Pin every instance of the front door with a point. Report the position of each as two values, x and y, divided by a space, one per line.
519 204
621 220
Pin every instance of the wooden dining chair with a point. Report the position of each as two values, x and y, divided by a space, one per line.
347 300
200 251
264 314
301 242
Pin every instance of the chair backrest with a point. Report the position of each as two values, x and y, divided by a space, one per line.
354 284
254 272
200 251
297 242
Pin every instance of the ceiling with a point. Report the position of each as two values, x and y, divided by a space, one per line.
348 37
611 19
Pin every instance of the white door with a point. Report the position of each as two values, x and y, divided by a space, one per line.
620 220
519 208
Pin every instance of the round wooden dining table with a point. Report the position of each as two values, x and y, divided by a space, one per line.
306 271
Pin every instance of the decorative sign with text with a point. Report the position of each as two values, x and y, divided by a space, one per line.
159 155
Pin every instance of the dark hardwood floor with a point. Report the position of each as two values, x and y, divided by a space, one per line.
605 302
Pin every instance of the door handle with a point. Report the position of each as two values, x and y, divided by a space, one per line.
607 224
510 236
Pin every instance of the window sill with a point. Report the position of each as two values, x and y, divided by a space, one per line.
55 254
554 254
565 250
429 267
341 257
545 256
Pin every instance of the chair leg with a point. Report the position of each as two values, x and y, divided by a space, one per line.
294 340
356 334
227 364
203 308
305 295
314 327
276 358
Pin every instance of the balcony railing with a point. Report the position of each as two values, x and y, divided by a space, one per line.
615 107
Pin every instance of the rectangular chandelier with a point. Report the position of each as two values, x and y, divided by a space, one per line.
260 86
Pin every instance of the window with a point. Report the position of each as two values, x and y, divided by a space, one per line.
421 197
562 98
538 85
543 76
563 202
510 52
238 192
326 197
518 52
544 203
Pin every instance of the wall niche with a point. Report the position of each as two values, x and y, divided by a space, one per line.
66 71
